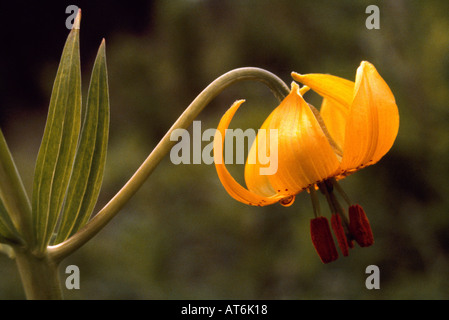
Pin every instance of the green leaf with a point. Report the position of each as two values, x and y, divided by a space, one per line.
57 151
87 175
8 232
15 208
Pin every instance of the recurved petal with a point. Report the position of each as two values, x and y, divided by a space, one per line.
328 86
305 155
256 172
234 189
373 120
334 115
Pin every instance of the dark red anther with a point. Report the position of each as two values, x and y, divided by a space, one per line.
322 239
359 226
339 232
350 242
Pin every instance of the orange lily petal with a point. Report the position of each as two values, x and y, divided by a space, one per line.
337 95
305 154
334 115
371 123
328 86
255 181
234 189
373 120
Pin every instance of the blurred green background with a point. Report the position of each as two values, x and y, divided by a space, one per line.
182 236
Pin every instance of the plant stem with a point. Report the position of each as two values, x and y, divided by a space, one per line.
278 87
39 276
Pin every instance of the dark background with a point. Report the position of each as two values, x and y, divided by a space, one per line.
33 33
182 236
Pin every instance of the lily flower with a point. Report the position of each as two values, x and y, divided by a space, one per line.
356 126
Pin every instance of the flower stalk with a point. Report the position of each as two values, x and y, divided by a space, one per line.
39 268
277 86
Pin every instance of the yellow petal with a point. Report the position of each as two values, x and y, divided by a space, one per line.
328 86
334 115
305 155
257 172
373 120
234 189
255 181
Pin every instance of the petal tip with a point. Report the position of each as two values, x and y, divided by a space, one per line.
296 76
288 201
294 87
366 65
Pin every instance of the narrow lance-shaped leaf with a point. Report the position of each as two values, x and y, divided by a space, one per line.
8 232
15 208
57 151
87 176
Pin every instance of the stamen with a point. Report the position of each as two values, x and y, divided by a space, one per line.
327 187
341 191
359 226
322 239
340 234
315 202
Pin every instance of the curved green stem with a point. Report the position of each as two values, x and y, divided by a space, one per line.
278 87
